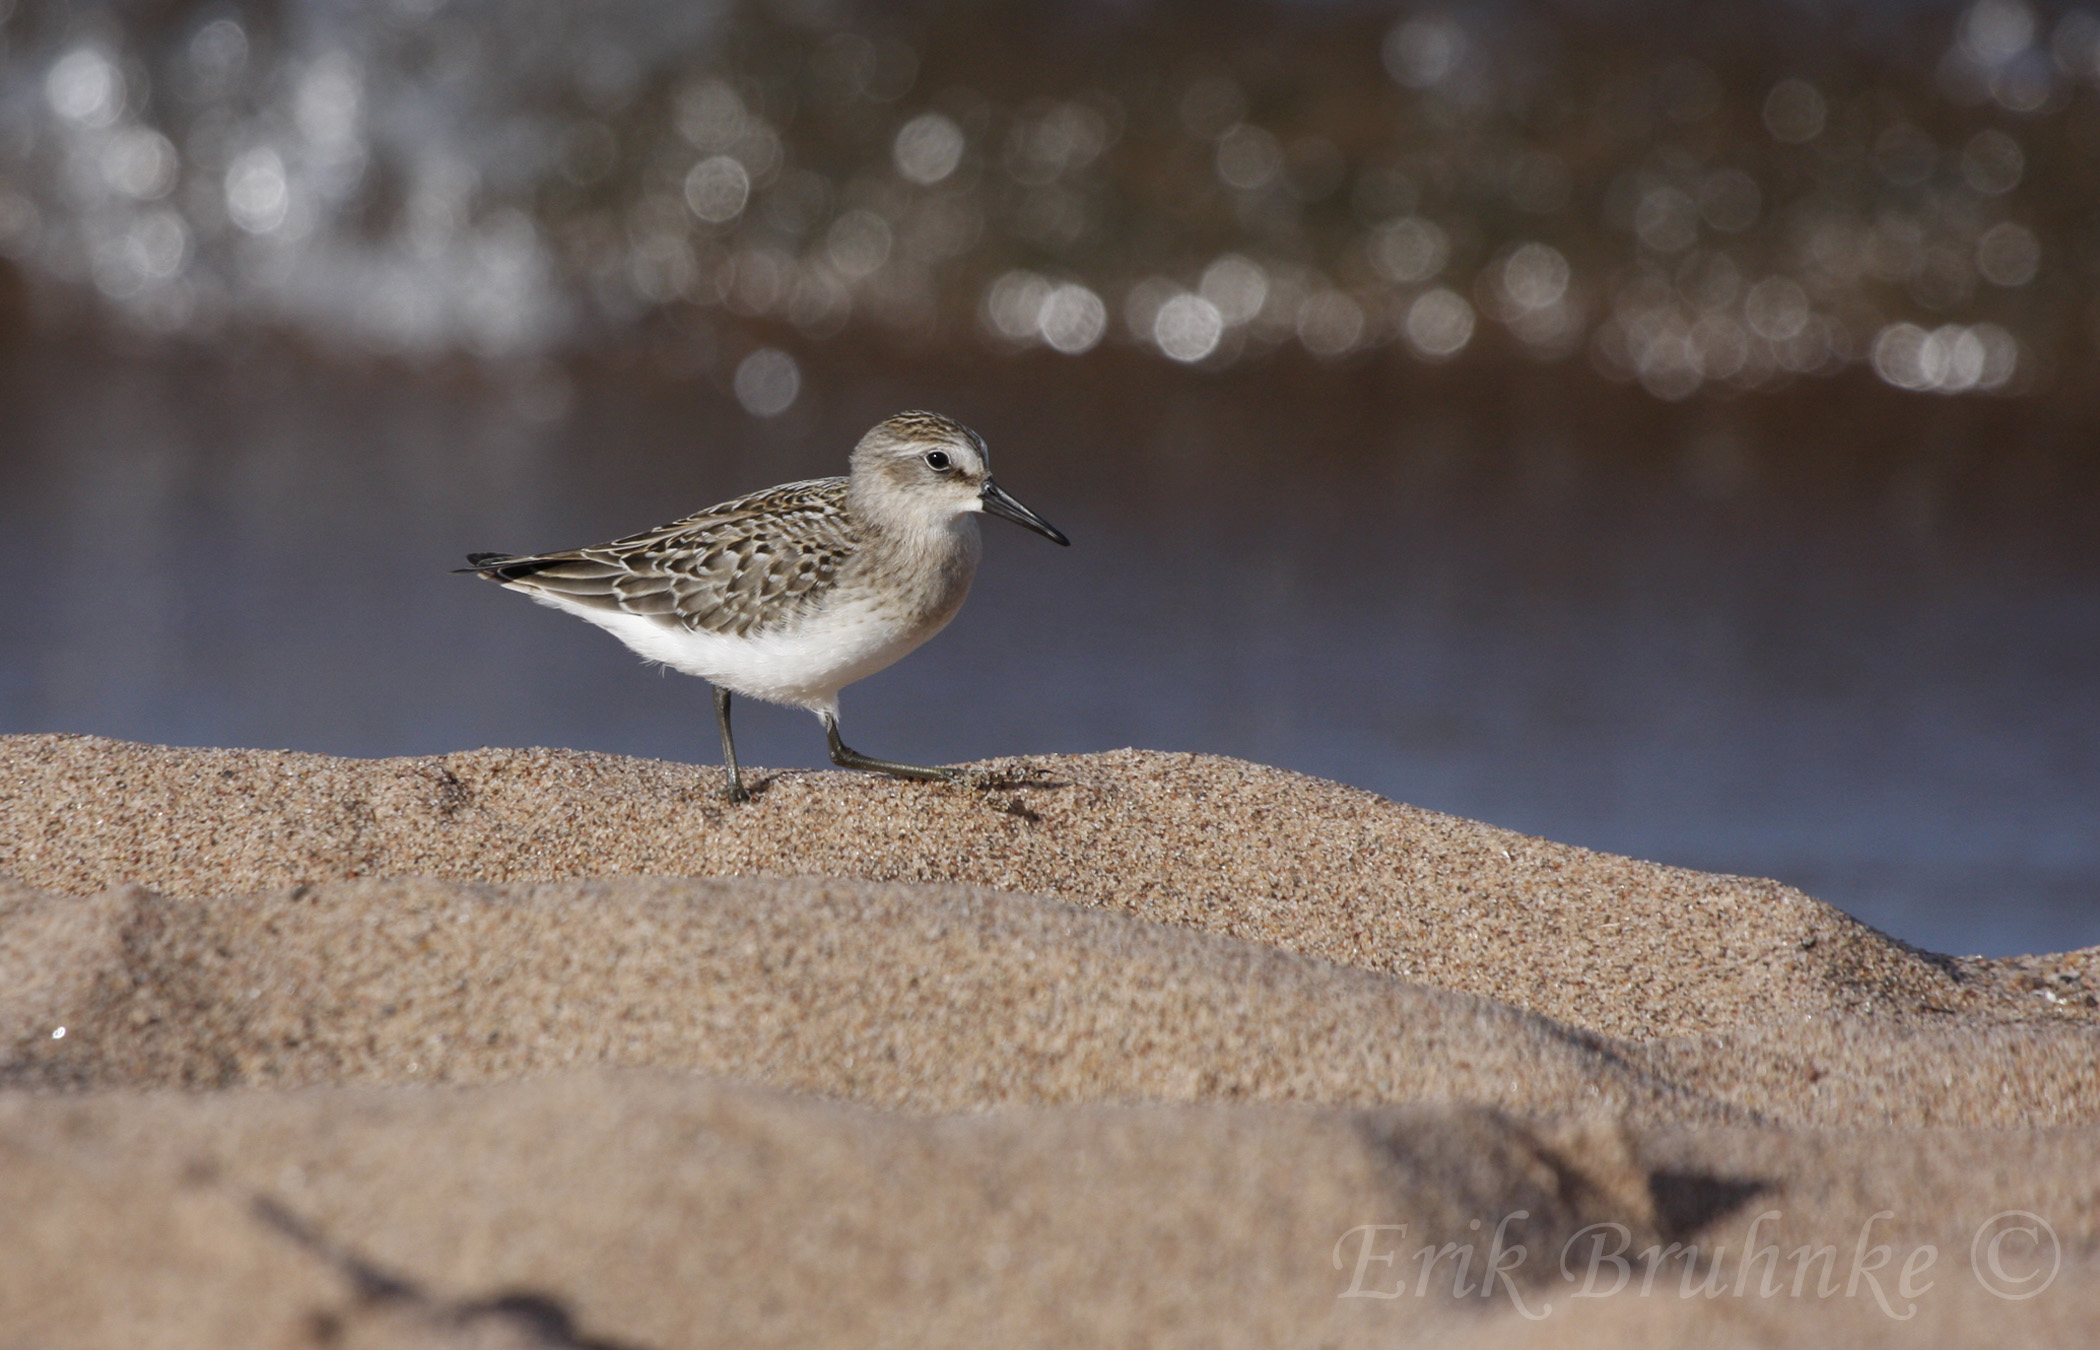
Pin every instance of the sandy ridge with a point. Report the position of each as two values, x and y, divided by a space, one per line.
921 997
1620 946
911 995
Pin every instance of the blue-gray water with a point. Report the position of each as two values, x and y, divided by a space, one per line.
1738 638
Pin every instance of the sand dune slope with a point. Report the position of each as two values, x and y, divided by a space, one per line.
927 997
1620 946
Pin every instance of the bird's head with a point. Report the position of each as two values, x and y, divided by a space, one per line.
933 471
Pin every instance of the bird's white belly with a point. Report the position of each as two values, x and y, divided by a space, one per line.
803 666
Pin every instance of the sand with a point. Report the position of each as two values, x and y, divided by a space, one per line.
933 998
1624 947
1116 1050
649 1210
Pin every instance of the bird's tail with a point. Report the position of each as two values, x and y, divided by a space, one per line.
503 566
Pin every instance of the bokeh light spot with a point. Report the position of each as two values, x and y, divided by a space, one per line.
1409 250
928 148
257 195
1249 158
1424 51
85 86
2008 254
858 242
1795 111
1992 162
1072 318
1330 323
140 163
1439 323
716 189
768 382
1237 286
1188 327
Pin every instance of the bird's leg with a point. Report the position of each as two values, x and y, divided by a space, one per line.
854 759
736 777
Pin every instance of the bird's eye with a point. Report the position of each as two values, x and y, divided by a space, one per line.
937 460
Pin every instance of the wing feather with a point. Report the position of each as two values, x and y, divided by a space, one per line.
742 567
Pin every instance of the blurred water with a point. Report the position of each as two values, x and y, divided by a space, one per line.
1683 197
1854 645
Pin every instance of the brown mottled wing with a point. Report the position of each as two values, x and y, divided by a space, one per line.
737 568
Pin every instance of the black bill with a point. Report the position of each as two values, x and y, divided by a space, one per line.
999 502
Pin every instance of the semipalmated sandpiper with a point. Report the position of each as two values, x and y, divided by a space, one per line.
791 594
